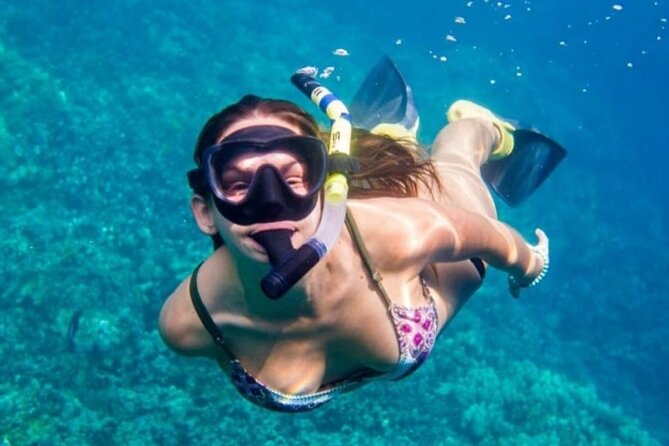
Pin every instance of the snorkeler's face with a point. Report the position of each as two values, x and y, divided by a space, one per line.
265 173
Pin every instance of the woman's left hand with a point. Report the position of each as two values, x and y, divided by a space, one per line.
541 251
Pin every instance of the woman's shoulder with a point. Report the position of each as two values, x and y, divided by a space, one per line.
411 233
395 216
388 203
179 325
394 229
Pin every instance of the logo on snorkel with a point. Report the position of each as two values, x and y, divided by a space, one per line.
318 93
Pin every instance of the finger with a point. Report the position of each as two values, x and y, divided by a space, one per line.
543 238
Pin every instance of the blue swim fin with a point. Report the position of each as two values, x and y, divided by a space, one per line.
384 102
534 157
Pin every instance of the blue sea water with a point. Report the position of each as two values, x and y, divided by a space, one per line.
100 106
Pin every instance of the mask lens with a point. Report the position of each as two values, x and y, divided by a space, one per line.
237 177
300 163
233 184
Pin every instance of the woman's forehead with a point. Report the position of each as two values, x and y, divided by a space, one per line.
279 157
256 121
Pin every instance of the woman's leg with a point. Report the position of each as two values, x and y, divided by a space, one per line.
458 152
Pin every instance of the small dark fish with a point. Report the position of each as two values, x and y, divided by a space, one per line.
72 330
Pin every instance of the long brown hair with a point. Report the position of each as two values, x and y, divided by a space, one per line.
388 167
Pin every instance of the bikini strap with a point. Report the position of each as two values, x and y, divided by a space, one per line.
203 313
366 257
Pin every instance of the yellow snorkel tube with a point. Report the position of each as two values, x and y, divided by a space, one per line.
336 185
340 163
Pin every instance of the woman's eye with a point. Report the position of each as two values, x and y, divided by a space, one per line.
234 188
239 186
294 181
297 184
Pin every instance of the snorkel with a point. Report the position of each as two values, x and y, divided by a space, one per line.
289 264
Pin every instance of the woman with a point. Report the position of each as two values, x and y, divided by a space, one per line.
420 234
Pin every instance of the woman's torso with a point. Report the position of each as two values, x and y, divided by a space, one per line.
344 327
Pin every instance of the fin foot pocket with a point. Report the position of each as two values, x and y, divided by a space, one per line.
463 109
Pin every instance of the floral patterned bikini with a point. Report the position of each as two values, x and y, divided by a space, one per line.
416 330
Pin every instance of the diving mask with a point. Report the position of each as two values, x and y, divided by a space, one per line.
267 193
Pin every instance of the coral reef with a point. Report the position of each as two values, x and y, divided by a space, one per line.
100 108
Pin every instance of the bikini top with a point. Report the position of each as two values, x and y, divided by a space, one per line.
416 330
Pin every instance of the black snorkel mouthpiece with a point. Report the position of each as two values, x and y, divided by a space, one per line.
277 244
289 264
283 277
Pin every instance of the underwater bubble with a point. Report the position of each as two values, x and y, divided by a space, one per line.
308 70
617 7
327 72
341 52
460 20
451 38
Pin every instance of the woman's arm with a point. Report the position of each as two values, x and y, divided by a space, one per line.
455 234
179 326
409 234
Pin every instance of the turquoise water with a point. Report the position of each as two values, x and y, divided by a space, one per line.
101 104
